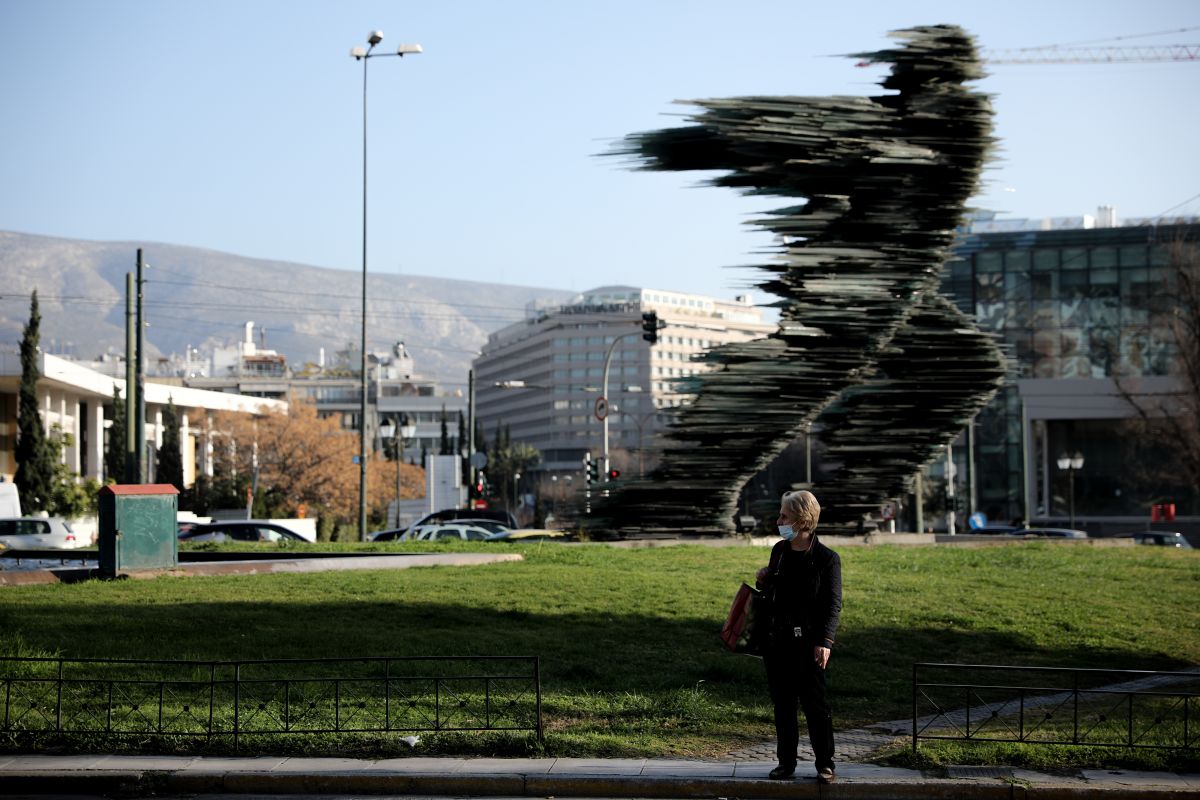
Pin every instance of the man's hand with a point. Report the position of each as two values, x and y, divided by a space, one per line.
760 577
821 656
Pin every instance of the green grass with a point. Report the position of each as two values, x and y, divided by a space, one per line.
631 664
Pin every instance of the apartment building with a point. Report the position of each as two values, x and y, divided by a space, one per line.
543 377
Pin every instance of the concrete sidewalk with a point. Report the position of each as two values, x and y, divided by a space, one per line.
553 777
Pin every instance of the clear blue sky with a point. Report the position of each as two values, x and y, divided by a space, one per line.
236 125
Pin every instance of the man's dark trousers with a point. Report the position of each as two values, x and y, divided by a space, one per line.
793 676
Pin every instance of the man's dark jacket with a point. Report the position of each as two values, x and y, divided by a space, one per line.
806 592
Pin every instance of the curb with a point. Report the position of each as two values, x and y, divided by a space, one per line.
368 782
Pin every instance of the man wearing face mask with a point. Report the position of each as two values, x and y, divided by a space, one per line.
804 582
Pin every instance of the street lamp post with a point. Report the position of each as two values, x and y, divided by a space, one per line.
1071 464
604 466
364 55
398 434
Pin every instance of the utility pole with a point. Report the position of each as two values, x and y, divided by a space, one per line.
471 428
139 425
130 382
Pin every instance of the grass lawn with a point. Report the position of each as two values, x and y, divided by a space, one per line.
631 663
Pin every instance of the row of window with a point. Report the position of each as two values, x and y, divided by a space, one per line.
583 341
594 355
668 355
1137 285
674 300
594 341
594 372
1050 259
1071 312
1094 353
688 341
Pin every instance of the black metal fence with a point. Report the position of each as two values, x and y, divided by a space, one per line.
235 699
1054 705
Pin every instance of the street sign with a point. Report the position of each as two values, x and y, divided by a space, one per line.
977 521
478 459
601 408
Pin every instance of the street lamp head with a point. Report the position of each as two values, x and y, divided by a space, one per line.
409 50
1064 462
374 38
358 52
1077 460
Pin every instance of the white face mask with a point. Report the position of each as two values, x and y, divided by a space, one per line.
787 532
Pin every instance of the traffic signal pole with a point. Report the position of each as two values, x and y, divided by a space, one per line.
604 467
649 332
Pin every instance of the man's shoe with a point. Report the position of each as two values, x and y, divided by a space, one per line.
782 772
826 775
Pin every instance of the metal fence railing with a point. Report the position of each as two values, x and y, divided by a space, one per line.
235 699
1054 705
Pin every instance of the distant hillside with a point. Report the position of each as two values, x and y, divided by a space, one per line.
203 298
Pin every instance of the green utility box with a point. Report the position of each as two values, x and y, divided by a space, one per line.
138 527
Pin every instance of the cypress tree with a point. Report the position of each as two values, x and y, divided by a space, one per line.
114 452
169 464
462 446
444 449
35 465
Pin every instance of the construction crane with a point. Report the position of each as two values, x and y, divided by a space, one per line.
1094 52
1053 54
1089 53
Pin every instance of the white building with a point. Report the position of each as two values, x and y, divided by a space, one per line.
542 377
73 397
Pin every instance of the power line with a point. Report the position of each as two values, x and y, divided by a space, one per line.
1177 205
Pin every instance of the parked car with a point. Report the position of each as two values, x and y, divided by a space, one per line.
392 535
452 531
1051 533
39 533
247 530
1162 539
462 514
420 531
528 535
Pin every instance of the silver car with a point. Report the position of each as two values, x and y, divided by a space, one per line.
39 533
452 531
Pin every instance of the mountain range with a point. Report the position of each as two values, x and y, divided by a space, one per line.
198 298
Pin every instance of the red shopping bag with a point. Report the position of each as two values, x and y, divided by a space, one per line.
744 628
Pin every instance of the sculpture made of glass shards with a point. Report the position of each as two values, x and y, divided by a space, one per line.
888 370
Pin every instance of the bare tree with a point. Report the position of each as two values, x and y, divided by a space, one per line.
1168 424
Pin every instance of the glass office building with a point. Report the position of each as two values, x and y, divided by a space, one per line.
1085 316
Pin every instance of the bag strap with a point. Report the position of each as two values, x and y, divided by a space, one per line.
776 558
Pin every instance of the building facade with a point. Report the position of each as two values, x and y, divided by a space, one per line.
73 397
543 377
1085 314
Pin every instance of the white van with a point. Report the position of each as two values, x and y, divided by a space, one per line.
10 501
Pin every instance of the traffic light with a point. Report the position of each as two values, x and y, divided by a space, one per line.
591 470
650 326
613 474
